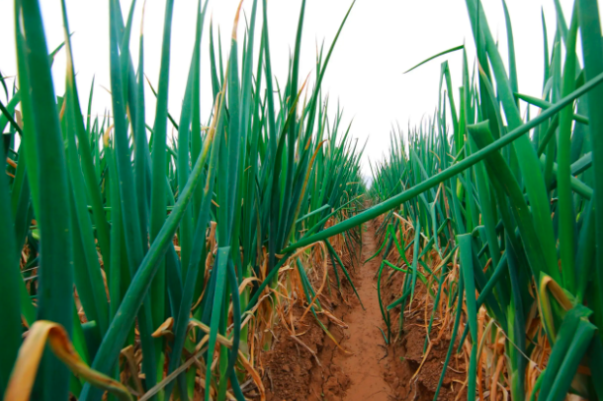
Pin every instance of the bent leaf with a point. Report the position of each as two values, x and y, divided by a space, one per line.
30 354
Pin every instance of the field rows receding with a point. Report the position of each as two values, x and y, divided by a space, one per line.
152 254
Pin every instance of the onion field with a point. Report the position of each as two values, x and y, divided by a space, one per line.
245 256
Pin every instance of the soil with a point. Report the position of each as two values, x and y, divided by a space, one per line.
409 354
366 367
363 367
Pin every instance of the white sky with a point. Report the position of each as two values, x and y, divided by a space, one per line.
381 39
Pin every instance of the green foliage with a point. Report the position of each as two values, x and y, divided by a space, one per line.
517 196
131 222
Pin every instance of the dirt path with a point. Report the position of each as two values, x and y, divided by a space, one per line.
312 367
365 367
